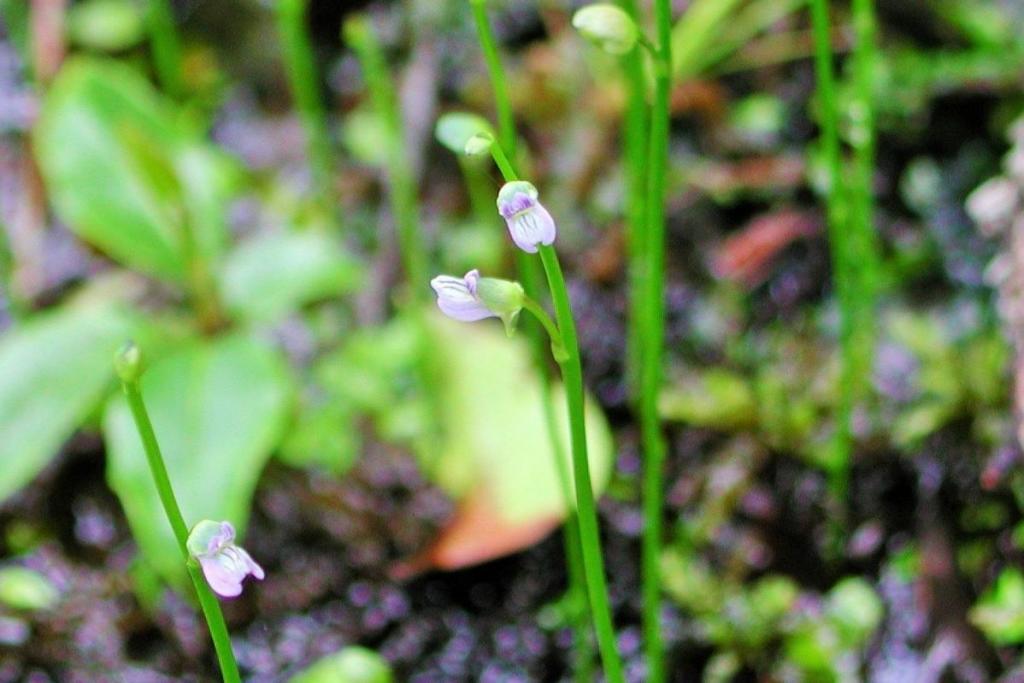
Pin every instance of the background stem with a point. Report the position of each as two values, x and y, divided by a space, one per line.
300 66
502 103
635 151
404 196
840 242
207 601
653 303
586 508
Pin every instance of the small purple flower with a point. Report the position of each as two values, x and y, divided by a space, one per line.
457 297
224 564
472 298
528 221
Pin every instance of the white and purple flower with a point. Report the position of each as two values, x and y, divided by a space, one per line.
528 221
457 297
224 564
471 298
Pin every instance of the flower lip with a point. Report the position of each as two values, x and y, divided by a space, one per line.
457 297
224 564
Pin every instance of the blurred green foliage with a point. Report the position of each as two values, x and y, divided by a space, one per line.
350 665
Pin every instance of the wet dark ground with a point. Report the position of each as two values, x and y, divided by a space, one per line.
327 545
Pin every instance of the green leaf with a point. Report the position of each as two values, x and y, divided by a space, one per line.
273 275
24 589
123 172
855 609
108 25
218 408
1000 611
488 398
454 130
715 398
352 664
53 372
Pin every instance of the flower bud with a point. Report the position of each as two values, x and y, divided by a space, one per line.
128 363
455 129
473 298
528 221
607 26
478 144
224 564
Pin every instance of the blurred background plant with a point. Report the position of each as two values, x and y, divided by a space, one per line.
253 197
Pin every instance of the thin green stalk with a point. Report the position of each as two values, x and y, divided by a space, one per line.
300 66
128 364
837 215
586 508
653 313
507 138
863 239
504 165
531 280
636 183
404 198
530 276
163 38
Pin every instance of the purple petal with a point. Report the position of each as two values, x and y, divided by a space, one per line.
222 539
517 203
532 227
225 570
254 569
221 574
456 300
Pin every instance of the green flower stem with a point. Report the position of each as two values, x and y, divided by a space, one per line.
504 165
557 344
208 602
163 38
576 560
839 242
636 182
586 508
300 66
404 199
576 596
530 275
652 353
506 123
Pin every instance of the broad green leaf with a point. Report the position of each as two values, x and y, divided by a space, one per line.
24 589
453 130
123 172
715 398
109 25
273 275
495 436
1000 611
218 408
53 371
352 664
